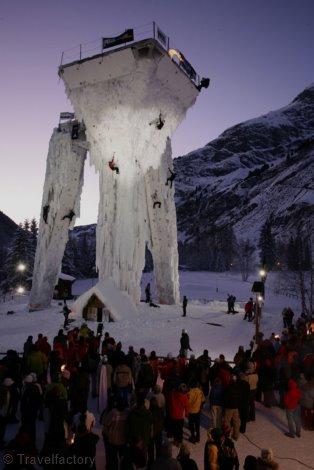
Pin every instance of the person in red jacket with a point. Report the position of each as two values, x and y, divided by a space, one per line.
178 410
292 406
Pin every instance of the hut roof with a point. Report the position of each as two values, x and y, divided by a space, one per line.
118 303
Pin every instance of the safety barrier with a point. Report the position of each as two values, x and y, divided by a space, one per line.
147 31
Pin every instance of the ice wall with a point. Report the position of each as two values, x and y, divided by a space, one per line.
120 97
62 191
163 229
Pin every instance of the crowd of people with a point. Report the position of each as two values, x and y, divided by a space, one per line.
144 401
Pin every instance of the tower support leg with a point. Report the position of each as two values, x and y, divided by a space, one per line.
60 207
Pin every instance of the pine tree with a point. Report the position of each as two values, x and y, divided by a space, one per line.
245 256
33 239
18 254
267 246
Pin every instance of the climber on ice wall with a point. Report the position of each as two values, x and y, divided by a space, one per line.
155 199
171 178
159 122
69 216
113 166
45 212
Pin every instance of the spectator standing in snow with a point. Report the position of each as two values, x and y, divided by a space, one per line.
147 293
248 309
185 343
291 401
66 313
231 302
184 305
196 401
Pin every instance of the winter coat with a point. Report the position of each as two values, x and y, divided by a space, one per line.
139 424
178 405
146 377
160 398
185 341
85 446
225 377
114 427
158 419
245 393
211 456
263 465
187 463
292 397
216 395
36 362
30 400
123 376
307 395
232 396
252 380
196 399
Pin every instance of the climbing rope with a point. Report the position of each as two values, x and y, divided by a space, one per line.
276 456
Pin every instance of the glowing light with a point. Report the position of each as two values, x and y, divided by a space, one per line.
21 267
174 53
20 290
262 272
260 298
62 367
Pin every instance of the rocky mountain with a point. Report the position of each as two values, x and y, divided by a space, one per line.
257 170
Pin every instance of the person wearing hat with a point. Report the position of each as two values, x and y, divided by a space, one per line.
184 458
266 460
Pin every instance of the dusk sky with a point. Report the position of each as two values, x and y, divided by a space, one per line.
259 54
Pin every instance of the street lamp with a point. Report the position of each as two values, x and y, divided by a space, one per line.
21 267
20 290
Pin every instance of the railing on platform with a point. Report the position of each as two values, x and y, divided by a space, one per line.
147 31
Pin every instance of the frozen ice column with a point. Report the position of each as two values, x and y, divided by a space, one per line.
123 96
60 207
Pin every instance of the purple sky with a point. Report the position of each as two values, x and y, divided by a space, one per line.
258 54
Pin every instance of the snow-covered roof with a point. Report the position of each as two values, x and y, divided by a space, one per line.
119 303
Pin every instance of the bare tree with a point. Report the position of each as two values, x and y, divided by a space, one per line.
246 257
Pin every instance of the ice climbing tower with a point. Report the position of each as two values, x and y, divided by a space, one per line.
131 100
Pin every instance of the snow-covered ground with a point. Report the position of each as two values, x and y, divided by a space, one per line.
208 326
207 293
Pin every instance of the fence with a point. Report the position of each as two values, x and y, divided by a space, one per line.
147 31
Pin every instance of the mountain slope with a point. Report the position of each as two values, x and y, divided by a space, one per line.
262 168
7 230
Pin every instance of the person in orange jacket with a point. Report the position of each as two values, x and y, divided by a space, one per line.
178 410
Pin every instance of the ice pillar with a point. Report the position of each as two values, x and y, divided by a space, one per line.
60 207
123 96
163 229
